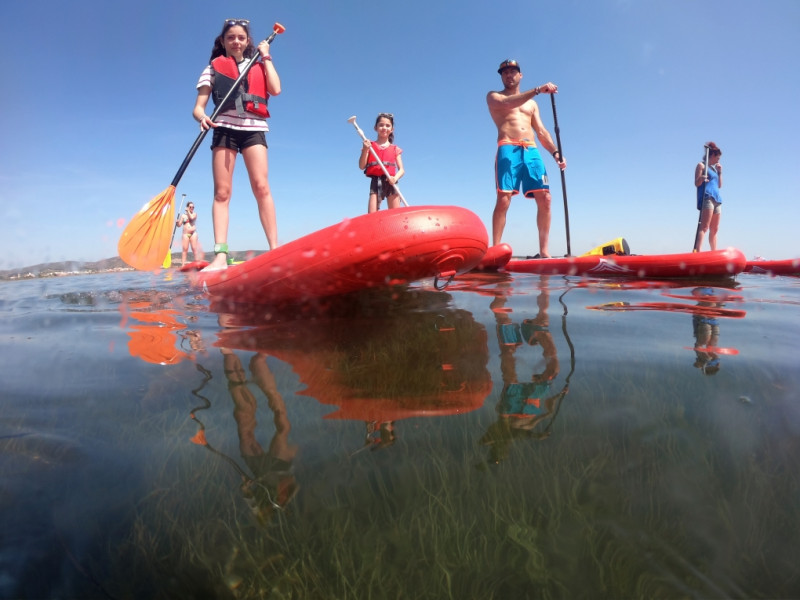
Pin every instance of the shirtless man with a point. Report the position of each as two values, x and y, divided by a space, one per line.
189 236
518 161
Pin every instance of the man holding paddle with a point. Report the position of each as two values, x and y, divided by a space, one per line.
518 162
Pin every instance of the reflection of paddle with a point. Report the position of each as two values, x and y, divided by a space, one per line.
168 260
563 178
143 243
700 208
375 155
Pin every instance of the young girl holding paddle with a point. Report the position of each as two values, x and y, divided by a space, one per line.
239 128
708 180
380 185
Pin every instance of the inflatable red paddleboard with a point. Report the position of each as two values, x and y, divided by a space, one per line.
383 248
495 258
193 266
690 264
788 266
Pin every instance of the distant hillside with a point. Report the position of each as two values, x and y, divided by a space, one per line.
60 269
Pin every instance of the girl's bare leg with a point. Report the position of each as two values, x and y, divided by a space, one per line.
256 161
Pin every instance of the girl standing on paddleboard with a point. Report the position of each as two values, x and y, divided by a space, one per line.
380 186
240 127
708 179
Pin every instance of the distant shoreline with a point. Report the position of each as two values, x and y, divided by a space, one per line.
65 269
109 265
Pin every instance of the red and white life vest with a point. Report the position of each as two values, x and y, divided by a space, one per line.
252 94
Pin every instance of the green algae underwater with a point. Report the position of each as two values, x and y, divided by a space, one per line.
507 437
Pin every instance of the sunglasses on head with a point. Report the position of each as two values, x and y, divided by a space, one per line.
242 22
387 115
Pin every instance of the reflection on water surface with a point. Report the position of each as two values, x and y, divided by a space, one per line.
508 437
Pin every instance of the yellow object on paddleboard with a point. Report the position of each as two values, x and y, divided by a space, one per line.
616 246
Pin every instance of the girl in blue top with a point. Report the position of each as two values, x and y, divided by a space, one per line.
709 201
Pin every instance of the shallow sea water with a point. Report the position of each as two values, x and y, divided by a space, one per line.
508 437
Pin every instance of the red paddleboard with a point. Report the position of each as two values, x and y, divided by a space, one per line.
495 258
383 248
689 264
788 266
193 266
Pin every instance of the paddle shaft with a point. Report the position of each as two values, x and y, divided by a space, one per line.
700 217
563 177
378 158
217 110
183 198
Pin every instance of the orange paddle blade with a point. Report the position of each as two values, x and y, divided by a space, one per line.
146 239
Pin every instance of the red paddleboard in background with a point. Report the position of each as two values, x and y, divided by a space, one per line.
193 266
495 258
378 249
788 266
715 263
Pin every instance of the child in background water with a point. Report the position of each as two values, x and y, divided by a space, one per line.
380 186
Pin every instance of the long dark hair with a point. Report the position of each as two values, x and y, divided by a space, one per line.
219 42
390 118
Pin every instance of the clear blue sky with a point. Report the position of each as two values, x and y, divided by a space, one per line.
97 102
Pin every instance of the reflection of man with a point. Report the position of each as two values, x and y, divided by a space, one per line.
706 335
274 484
523 404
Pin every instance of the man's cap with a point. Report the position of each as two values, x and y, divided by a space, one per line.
509 64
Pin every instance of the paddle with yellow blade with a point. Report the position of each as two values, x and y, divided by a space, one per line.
146 239
168 260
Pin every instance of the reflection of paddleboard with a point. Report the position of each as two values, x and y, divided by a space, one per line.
789 266
714 350
383 248
496 257
715 263
706 311
417 357
721 297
